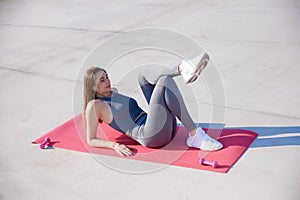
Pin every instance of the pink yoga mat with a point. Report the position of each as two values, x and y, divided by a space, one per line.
70 135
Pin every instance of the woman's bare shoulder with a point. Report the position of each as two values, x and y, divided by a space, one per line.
115 89
95 104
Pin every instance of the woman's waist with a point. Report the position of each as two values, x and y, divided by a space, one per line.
124 124
138 123
139 117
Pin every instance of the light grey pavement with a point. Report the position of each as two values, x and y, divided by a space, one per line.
254 45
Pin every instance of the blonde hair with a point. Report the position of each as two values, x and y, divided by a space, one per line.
89 93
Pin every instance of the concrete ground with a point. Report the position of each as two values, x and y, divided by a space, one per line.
254 47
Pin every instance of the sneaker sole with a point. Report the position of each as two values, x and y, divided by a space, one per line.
200 67
208 150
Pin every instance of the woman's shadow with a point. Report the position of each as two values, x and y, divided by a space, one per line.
274 136
267 136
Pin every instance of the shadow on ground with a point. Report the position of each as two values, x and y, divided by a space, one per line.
268 136
274 136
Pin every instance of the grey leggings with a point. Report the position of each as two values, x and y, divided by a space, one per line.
165 104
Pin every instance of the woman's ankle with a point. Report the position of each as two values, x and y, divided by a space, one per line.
193 132
179 68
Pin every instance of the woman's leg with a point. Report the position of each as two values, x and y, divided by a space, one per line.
160 80
165 103
150 75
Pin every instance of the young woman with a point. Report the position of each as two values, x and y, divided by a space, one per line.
102 103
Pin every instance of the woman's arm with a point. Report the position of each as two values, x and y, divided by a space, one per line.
93 114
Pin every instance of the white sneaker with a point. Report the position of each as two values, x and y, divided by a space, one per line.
192 68
203 141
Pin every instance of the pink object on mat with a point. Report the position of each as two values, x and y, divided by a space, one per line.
70 135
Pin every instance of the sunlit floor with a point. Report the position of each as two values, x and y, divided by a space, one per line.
252 82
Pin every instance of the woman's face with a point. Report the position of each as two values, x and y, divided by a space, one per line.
102 84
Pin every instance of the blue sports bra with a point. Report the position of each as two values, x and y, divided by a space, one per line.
125 110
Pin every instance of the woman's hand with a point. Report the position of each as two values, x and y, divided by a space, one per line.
122 149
